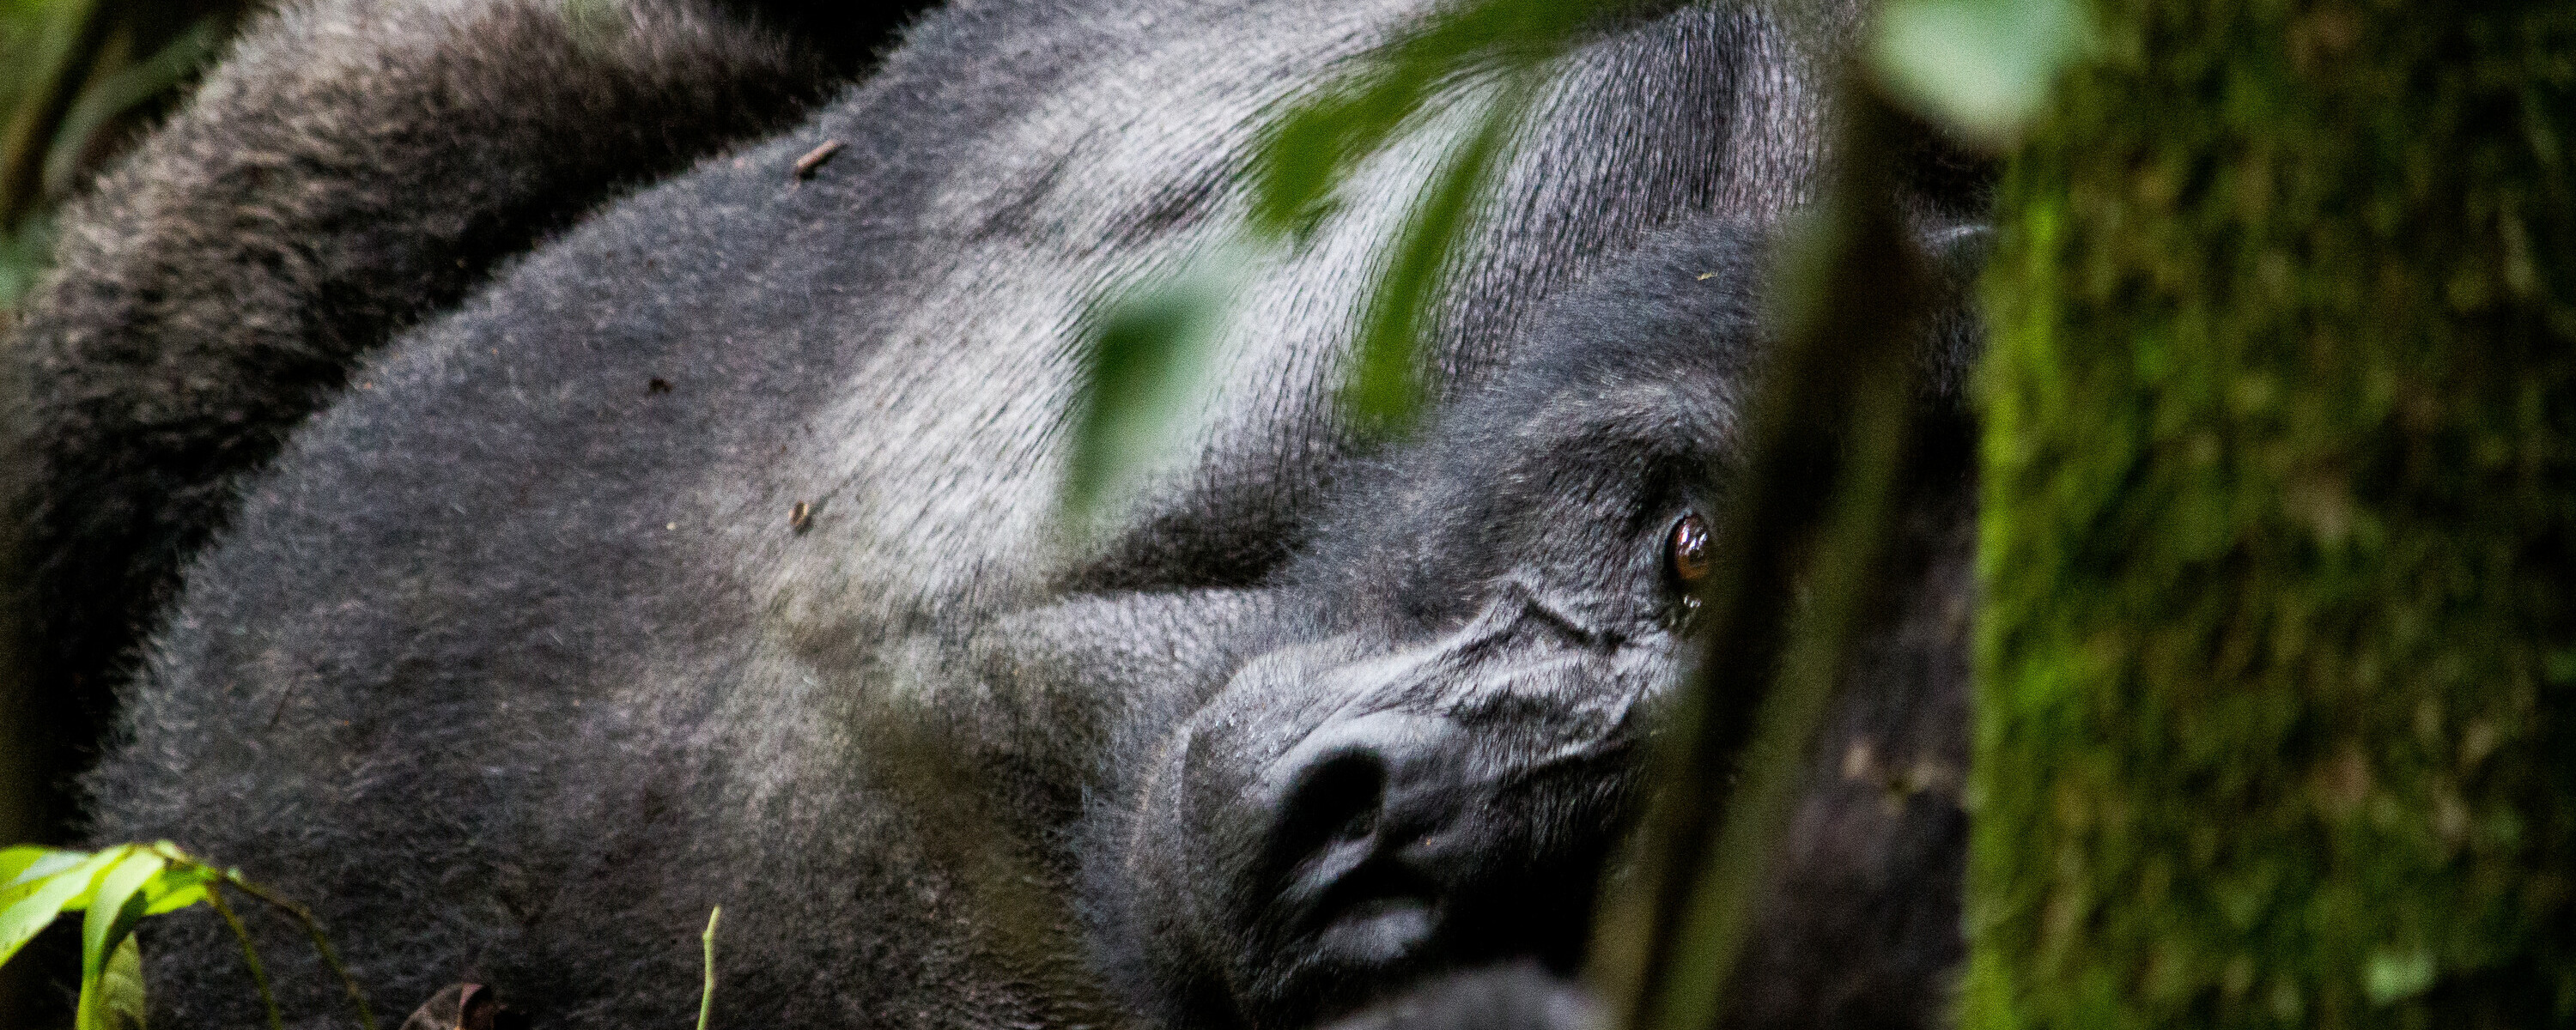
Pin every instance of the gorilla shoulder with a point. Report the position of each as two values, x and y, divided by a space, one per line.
351 167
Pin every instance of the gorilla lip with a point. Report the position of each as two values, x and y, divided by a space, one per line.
1381 930
1373 888
1367 907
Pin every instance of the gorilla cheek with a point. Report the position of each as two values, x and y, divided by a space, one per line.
1157 908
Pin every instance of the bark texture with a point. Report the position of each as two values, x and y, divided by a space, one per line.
2277 701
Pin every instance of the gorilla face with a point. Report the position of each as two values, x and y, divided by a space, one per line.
1425 766
1426 762
1398 789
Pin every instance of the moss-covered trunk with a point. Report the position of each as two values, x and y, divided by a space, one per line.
2278 666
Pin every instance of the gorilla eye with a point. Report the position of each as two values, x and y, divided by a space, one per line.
1686 551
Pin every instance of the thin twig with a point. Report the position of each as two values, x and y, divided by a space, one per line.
813 160
321 944
1826 450
707 993
250 956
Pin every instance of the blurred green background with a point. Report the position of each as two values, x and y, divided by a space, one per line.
79 79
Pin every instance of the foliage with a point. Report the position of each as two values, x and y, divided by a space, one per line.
1977 67
76 78
1835 399
1147 358
1316 145
116 888
1811 515
2278 651
707 992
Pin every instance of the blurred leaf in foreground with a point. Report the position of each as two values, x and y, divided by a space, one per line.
1147 358
1149 352
1977 67
1317 144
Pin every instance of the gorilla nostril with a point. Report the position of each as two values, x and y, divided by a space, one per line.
1353 804
1336 803
1337 879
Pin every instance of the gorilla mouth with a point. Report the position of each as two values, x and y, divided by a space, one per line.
1378 914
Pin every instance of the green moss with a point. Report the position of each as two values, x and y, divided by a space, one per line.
2275 720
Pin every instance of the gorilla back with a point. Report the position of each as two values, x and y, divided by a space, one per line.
515 662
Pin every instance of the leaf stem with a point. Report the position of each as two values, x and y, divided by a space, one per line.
707 994
321 944
250 956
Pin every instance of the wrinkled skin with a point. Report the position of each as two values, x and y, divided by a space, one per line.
514 663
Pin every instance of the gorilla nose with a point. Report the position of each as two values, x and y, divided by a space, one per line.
1362 813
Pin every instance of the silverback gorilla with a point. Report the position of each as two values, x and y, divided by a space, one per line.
513 660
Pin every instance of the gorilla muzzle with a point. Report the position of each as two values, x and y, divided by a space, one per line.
1394 810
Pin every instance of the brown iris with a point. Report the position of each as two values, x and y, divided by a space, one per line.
1687 554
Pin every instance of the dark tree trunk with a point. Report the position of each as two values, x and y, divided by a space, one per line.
2278 666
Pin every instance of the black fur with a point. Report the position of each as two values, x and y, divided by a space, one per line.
352 166
514 664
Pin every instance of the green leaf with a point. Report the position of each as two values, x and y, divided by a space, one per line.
121 999
21 866
1980 67
1316 144
2392 976
1148 352
65 890
1385 394
164 901
177 887
1145 369
119 902
1308 151
14 861
1502 46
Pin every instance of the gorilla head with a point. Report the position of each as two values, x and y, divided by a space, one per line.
1425 763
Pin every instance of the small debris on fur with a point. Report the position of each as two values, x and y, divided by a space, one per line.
814 159
658 385
800 518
